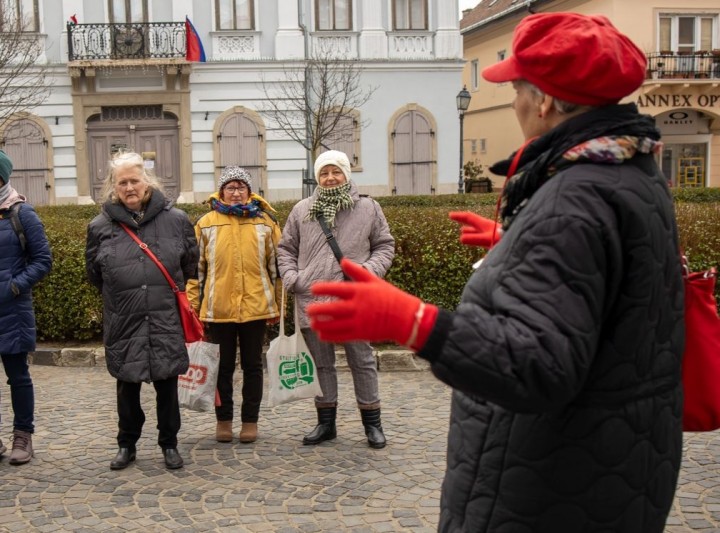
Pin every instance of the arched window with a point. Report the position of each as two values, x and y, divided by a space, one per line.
413 152
240 136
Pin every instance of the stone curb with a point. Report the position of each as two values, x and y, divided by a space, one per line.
390 360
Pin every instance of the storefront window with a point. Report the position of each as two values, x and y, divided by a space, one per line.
685 164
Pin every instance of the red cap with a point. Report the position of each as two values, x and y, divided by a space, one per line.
581 59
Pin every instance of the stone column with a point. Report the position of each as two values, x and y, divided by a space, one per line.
289 39
448 42
373 37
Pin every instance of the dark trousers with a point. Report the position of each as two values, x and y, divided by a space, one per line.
132 416
250 336
22 394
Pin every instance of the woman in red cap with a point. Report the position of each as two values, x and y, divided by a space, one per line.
565 351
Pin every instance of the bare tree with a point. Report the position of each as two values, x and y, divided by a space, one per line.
23 80
312 102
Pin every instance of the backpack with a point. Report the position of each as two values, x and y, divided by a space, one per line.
12 213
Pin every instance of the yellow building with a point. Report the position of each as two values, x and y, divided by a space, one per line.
681 39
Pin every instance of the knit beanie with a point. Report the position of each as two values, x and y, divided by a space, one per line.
234 173
332 157
5 167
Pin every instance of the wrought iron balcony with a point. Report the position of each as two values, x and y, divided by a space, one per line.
126 41
692 65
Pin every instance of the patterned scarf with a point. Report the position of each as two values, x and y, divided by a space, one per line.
250 210
608 135
329 202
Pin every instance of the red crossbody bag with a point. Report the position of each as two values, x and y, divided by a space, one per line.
192 327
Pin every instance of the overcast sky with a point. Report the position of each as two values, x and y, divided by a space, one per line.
467 4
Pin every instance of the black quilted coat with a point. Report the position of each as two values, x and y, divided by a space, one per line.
142 333
564 356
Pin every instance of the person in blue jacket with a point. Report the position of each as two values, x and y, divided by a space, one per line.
22 266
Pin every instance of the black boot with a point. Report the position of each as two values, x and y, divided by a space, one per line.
325 430
373 428
124 457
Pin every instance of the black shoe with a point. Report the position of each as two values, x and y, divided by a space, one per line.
373 428
172 458
325 430
123 458
321 433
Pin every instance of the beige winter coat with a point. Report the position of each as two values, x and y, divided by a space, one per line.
304 256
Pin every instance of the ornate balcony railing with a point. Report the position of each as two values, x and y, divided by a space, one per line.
694 65
126 41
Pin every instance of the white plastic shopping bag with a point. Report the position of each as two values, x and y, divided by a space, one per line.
291 368
196 388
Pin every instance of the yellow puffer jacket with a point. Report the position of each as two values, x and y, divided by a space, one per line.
238 278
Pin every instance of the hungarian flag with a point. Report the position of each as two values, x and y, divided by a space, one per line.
73 20
194 47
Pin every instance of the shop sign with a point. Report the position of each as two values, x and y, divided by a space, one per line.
678 100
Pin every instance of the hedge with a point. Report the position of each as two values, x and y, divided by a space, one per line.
430 262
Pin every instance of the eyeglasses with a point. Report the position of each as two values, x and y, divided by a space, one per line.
233 190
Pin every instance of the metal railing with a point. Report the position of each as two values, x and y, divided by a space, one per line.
694 65
126 41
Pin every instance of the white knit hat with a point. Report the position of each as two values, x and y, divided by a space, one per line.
332 157
234 173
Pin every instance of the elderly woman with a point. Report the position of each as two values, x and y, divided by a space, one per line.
142 331
237 292
564 353
361 232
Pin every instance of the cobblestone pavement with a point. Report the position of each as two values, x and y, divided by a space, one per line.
274 484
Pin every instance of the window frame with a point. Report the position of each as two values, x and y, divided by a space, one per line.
674 44
251 16
408 15
354 157
334 21
128 11
18 17
474 75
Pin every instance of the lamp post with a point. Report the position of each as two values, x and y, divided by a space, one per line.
463 102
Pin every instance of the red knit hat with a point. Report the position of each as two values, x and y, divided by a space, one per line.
582 59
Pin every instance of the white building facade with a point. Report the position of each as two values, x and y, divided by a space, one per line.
121 81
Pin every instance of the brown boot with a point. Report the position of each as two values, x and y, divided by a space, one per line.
248 432
223 432
22 450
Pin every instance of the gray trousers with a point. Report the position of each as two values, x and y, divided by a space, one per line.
362 366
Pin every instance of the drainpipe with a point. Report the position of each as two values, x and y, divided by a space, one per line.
306 89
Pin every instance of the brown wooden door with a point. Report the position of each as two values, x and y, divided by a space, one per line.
413 163
241 143
154 136
27 148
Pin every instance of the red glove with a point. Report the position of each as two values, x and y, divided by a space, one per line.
477 230
370 309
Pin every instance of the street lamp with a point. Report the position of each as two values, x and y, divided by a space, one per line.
463 102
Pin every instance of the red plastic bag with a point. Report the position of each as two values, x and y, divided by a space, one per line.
701 361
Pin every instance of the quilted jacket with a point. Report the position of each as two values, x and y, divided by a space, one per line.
304 256
21 270
142 332
237 274
564 356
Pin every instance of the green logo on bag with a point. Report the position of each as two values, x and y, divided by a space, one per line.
296 371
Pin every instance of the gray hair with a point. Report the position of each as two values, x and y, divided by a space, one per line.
124 160
563 107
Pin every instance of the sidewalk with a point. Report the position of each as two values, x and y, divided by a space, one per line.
388 360
273 485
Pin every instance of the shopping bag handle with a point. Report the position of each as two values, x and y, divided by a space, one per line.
282 312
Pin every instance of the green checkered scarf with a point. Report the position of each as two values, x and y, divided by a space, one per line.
329 202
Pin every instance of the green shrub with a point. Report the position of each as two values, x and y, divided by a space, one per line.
430 262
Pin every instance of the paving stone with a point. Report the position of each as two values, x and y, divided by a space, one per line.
275 483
